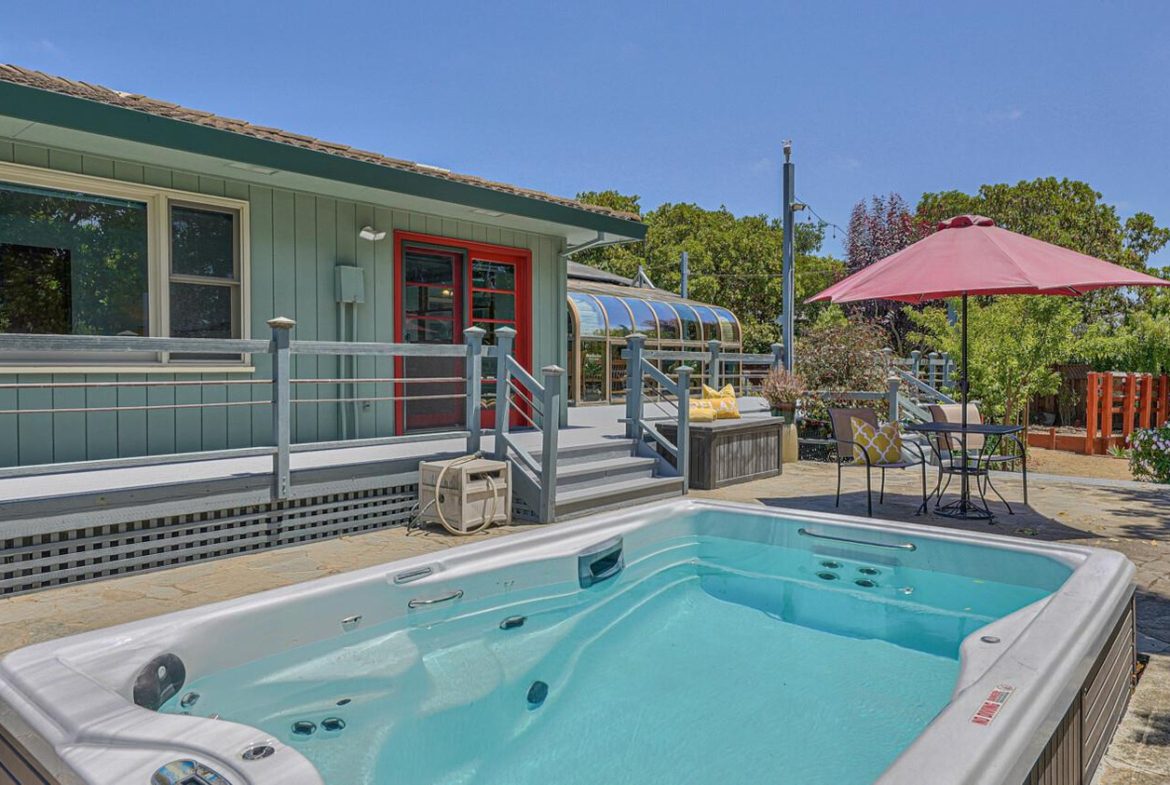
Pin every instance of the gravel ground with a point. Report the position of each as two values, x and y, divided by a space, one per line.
1071 464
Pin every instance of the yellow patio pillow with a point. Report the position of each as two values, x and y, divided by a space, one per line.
723 401
699 414
882 445
710 392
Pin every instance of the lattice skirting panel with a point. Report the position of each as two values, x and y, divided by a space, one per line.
84 554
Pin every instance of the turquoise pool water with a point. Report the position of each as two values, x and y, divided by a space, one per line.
709 660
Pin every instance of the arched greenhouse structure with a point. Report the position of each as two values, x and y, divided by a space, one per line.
605 308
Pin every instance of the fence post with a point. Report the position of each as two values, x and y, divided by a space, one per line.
915 357
473 338
932 370
550 434
1106 411
714 364
777 356
946 370
634 342
1092 415
281 404
1127 405
683 443
1163 400
892 398
504 338
1147 395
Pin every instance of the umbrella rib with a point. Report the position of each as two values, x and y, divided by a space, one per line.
1007 254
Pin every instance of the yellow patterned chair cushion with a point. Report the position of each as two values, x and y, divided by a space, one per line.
882 445
722 401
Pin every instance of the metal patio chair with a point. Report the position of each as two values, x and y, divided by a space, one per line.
977 445
841 420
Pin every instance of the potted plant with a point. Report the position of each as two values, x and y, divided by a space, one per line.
782 389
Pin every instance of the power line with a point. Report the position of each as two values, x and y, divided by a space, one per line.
824 222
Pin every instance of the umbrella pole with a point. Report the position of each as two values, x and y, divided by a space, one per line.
965 491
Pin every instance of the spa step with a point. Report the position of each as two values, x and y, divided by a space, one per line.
587 474
589 499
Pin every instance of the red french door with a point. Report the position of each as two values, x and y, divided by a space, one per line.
443 287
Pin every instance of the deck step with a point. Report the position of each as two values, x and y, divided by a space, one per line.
611 495
573 476
568 455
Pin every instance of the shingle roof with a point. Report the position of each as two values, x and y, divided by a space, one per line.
140 103
586 273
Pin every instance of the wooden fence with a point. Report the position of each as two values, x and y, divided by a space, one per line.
1139 399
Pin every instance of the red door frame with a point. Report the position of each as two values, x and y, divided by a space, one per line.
520 258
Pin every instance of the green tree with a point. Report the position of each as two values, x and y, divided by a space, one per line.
1013 341
734 260
1069 213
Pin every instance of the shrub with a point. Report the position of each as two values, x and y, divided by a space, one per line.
840 357
1149 456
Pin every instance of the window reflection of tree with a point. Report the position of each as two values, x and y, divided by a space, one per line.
35 289
88 262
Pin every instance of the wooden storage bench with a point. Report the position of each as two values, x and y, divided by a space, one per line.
725 452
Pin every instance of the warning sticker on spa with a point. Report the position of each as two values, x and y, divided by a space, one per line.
993 703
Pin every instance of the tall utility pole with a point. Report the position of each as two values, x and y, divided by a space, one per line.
787 269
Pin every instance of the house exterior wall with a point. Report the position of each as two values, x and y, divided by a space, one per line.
296 239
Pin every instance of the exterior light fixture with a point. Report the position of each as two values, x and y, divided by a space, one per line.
798 206
371 234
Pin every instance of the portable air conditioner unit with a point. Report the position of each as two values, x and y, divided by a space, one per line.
465 494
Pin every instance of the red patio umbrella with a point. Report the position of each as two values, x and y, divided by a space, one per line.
971 255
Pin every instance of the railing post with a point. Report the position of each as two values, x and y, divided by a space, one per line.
777 356
473 339
714 369
550 434
634 343
683 444
281 404
915 356
947 365
504 338
892 398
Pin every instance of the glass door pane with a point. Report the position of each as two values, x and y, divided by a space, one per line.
432 305
493 306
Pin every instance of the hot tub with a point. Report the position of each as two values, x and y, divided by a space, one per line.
688 642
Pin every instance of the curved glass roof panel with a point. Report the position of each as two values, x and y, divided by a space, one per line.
620 323
591 317
644 320
710 323
692 329
668 321
727 325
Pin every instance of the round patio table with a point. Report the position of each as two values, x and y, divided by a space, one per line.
975 464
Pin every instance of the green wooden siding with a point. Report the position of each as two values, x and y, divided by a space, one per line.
296 241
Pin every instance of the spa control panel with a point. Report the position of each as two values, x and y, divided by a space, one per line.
187 772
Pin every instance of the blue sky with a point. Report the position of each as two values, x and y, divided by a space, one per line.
679 101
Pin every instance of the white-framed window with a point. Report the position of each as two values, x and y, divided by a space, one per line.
82 255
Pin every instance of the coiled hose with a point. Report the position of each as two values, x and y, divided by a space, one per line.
487 519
